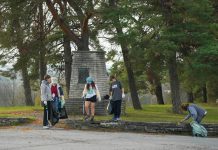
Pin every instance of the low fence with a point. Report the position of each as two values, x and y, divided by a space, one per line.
140 127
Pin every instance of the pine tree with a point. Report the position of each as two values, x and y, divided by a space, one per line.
184 30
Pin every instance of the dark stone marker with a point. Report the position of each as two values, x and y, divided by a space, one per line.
83 74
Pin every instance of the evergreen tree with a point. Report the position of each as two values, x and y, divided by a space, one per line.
184 30
15 26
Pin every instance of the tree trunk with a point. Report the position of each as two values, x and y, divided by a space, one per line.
131 79
42 48
25 76
204 91
23 52
174 80
26 85
190 97
85 32
158 92
68 62
125 51
42 64
174 84
155 81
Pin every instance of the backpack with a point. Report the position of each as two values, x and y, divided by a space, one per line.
198 130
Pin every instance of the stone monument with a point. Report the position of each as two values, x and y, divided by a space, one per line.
87 63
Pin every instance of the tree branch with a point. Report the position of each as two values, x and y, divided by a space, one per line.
62 25
77 9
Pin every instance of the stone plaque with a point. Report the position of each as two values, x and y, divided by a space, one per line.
83 74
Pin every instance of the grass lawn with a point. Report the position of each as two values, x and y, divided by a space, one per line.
149 113
163 113
19 111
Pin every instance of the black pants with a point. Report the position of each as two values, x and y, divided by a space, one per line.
117 108
54 117
47 113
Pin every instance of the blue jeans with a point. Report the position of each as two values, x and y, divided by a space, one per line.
199 119
55 110
55 104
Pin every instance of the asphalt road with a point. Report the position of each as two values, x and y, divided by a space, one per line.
60 139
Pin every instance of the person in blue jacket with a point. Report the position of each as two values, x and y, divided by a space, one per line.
197 113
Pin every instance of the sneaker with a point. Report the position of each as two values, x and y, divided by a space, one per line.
49 124
86 118
114 119
118 119
45 127
92 119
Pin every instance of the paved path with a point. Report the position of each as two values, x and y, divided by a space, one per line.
36 138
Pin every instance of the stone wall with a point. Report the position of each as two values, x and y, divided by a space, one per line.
140 127
14 121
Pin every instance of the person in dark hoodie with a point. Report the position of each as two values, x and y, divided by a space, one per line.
46 99
197 113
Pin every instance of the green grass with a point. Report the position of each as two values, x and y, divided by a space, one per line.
163 113
19 108
16 111
149 113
